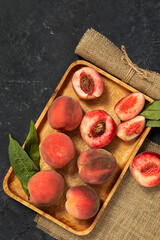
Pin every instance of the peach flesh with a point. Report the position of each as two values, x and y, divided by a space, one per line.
96 166
57 149
131 129
45 188
82 202
145 168
130 106
65 113
97 128
87 83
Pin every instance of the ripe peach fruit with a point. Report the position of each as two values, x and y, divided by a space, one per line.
57 149
65 113
45 188
96 165
130 106
87 83
97 128
82 202
131 129
145 167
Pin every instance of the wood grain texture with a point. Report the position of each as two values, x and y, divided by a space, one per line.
124 152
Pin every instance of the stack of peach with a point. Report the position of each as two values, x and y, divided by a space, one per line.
97 128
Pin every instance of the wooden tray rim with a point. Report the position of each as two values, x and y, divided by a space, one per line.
42 115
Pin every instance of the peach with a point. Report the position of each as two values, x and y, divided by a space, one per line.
87 83
131 129
97 128
57 149
145 168
130 106
96 165
45 188
65 113
82 202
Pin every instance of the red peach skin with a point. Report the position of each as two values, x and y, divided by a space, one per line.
145 168
65 113
96 166
45 188
87 83
82 202
57 149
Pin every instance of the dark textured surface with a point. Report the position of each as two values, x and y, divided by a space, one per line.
37 43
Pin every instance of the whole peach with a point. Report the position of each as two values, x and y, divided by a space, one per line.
65 113
96 165
45 187
82 202
57 149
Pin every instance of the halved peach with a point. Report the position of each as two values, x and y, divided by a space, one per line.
130 106
97 128
130 129
87 83
145 168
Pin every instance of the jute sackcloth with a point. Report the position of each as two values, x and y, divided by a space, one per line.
133 212
99 50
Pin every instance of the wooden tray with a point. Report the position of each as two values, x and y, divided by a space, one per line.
124 152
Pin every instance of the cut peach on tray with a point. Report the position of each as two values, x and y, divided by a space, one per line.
130 106
87 83
57 149
145 168
82 202
65 113
97 128
45 188
131 129
96 166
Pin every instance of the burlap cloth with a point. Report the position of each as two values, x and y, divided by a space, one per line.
134 211
99 50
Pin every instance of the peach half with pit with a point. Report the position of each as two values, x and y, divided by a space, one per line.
65 113
87 83
130 106
82 202
145 168
131 129
57 149
45 188
97 128
96 166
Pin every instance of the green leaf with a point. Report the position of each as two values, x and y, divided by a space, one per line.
151 114
151 111
154 106
21 163
153 123
31 144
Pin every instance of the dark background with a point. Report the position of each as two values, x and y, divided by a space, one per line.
37 43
